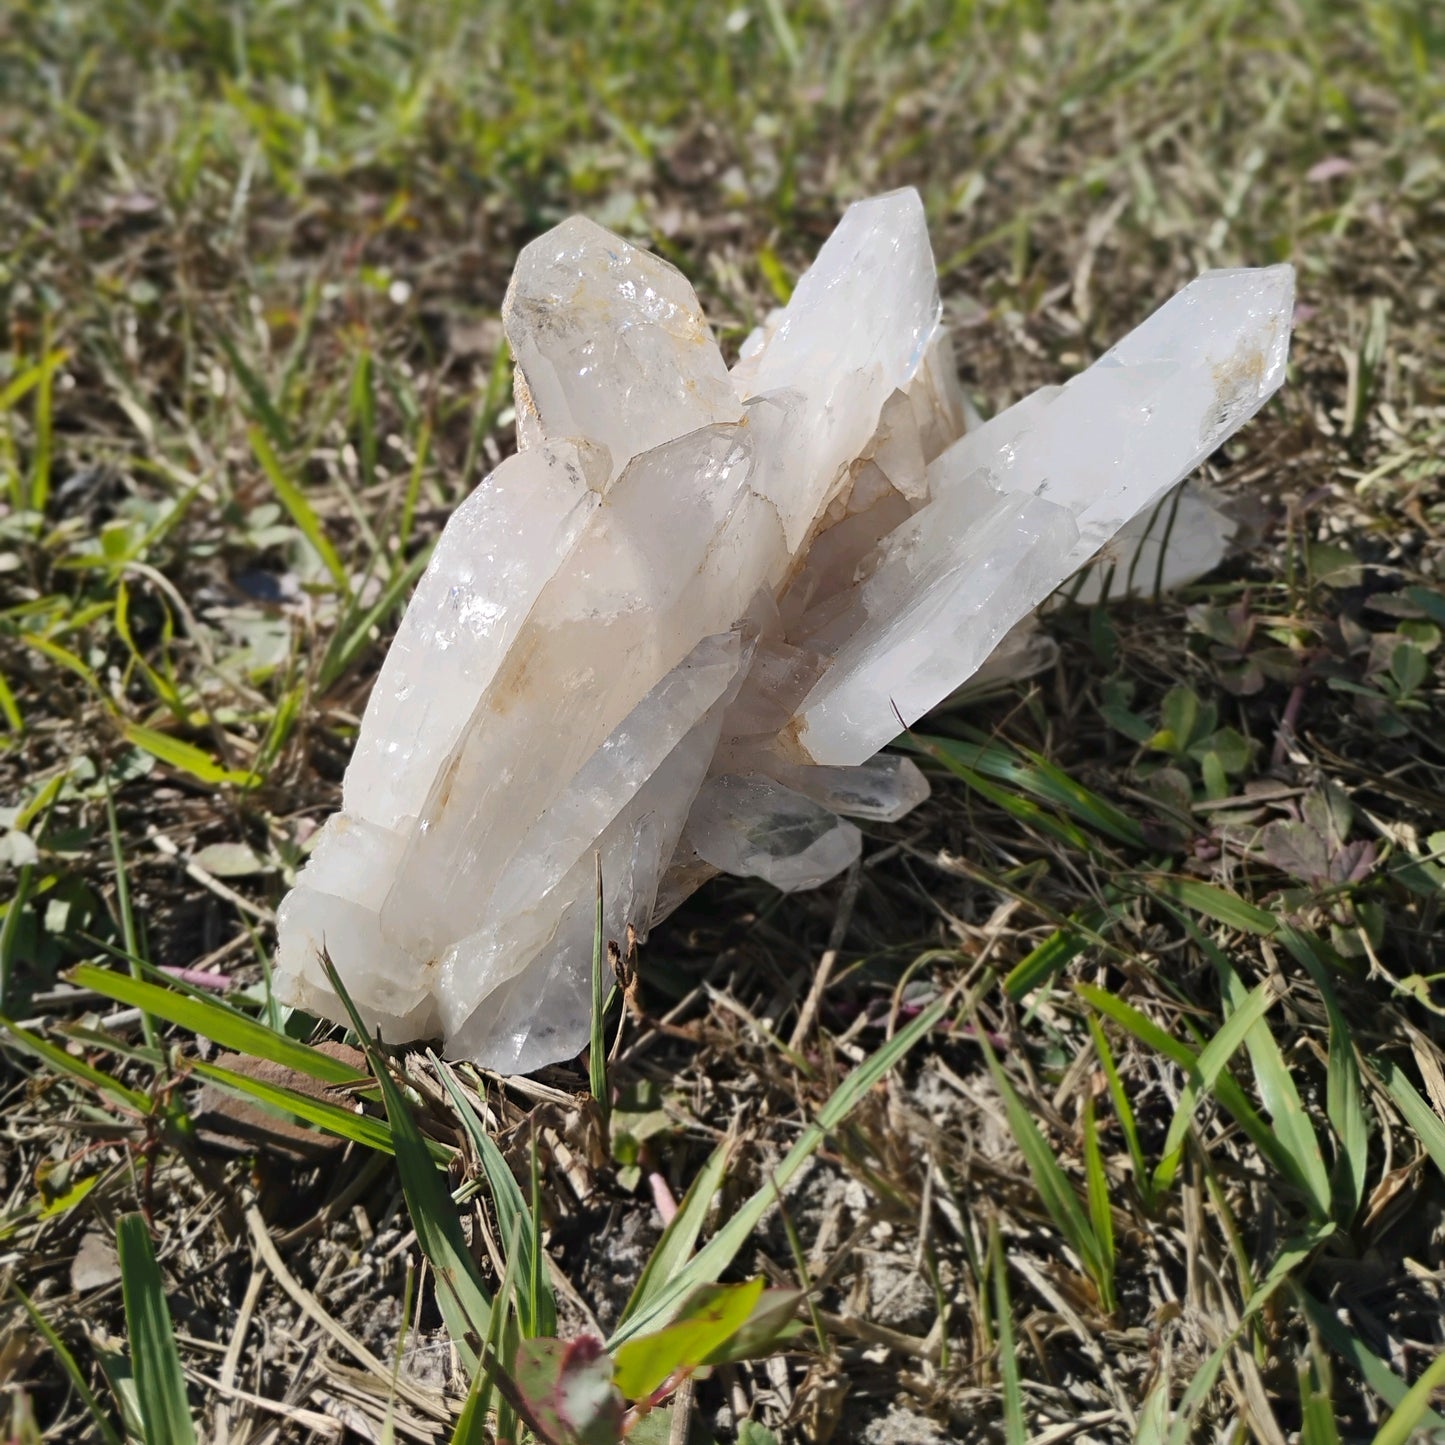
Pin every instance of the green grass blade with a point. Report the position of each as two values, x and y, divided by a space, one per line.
680 1236
463 1300
775 274
471 1426
363 418
20 386
1408 1416
1016 1430
1041 779
1124 1112
256 393
1209 1065
1144 1029
1292 1254
160 1383
299 509
471 1423
10 933
1345 1108
597 1046
1023 809
64 1063
1049 959
1277 1091
1216 903
1226 1087
719 1251
142 968
537 1305
121 1379
360 1129
63 657
1085 804
284 718
539 1282
1418 1114
1153 1427
185 757
352 639
1367 1365
43 423
783 33
73 1372
1181 1430
162 685
1101 1215
10 707
413 486
1057 952
1054 1186
1344 1092
1317 1411
215 1021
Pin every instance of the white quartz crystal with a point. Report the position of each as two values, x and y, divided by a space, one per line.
672 633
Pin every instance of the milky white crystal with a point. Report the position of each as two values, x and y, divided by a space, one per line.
671 634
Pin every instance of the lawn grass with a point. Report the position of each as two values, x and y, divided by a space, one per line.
1165 1157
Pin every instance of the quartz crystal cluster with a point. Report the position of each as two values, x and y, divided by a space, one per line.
672 633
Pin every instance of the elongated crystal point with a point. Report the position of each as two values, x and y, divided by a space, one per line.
612 344
672 633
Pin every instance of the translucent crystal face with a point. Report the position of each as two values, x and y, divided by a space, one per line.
671 634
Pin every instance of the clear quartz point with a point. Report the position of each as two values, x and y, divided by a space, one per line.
756 828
